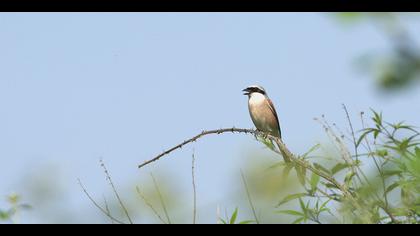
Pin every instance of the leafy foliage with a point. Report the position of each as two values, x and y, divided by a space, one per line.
233 218
16 206
374 177
392 195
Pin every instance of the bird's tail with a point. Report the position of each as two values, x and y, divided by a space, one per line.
283 153
277 146
281 147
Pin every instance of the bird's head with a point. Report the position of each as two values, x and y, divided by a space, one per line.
254 89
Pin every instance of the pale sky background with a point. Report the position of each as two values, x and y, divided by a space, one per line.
76 87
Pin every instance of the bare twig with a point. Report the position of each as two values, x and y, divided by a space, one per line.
249 198
193 139
107 209
194 189
356 152
150 205
104 211
108 176
336 141
161 199
352 131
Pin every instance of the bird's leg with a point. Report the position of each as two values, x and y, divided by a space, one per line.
265 135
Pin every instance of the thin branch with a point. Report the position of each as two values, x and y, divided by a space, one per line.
391 216
194 189
287 155
355 147
107 209
108 176
336 141
161 199
193 139
150 205
105 212
352 131
249 198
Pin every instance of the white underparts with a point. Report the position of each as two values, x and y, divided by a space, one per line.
262 114
256 98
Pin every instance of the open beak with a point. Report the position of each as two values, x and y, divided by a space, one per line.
246 91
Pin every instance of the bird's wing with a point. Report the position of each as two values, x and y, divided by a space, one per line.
273 110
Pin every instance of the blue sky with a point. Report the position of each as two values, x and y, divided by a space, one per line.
77 87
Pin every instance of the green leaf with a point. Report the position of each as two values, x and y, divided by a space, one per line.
245 222
348 178
287 169
382 152
323 206
367 131
291 197
303 207
389 173
392 147
291 212
321 168
328 185
407 197
314 182
13 199
267 142
401 125
375 134
404 145
4 215
301 174
339 167
298 220
223 221
278 164
391 187
377 117
417 150
312 149
233 217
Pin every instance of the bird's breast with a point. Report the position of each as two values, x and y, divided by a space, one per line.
261 114
258 110
256 99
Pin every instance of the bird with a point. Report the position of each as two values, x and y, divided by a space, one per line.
262 110
264 114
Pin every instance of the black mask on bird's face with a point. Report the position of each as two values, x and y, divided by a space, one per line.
254 89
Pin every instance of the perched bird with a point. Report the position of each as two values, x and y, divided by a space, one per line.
262 111
263 114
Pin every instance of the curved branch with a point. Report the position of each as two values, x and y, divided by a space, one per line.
288 156
193 139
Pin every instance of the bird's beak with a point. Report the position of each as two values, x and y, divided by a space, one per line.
246 91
